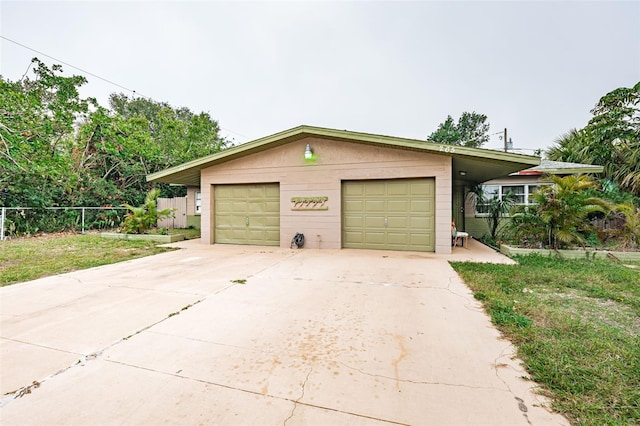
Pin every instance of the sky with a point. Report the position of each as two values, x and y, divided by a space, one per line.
391 68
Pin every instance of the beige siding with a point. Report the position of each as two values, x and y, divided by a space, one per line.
191 199
334 163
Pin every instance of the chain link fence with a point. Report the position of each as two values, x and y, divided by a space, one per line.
15 221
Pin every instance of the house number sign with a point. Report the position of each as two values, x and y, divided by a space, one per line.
309 203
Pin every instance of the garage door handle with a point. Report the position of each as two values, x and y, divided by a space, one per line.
246 220
386 222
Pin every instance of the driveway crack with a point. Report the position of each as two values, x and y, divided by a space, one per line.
521 405
295 403
25 390
417 382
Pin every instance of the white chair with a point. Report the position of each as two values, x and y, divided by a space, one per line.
459 236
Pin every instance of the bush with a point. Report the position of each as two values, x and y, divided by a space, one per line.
141 219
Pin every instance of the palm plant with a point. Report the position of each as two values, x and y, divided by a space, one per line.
140 219
563 208
629 235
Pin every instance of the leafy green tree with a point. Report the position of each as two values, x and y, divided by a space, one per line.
178 134
610 139
37 117
471 130
60 149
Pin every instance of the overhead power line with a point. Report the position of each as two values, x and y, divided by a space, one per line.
77 68
98 77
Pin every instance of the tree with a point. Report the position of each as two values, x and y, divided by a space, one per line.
471 130
610 139
561 211
38 116
59 149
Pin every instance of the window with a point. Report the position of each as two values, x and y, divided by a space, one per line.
490 192
522 195
517 193
532 189
198 202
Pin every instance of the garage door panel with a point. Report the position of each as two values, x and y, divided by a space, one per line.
353 190
352 222
272 191
224 207
247 214
372 188
401 206
374 205
398 222
398 238
375 237
272 222
421 239
395 214
373 222
238 207
417 222
354 206
398 188
420 206
224 191
354 236
272 235
272 207
422 188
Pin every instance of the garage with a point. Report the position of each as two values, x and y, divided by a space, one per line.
247 214
393 214
339 188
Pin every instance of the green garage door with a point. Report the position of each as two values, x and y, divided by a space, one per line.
396 214
247 214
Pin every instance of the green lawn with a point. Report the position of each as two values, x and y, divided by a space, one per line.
576 324
25 259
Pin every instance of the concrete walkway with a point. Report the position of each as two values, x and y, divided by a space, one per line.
311 338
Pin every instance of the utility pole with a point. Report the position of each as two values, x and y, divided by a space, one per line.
505 139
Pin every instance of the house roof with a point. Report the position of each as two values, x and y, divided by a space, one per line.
559 168
469 164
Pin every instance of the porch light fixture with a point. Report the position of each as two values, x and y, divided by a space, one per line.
462 172
308 154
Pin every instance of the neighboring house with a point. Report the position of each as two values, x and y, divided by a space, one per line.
339 188
522 184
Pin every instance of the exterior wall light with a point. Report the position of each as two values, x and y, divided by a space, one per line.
462 173
308 154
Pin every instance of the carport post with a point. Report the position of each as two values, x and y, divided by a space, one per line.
2 216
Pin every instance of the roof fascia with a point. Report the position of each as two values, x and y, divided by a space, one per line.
299 132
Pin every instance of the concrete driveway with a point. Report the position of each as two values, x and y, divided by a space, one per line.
312 338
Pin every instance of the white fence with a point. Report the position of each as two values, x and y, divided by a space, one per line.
179 217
